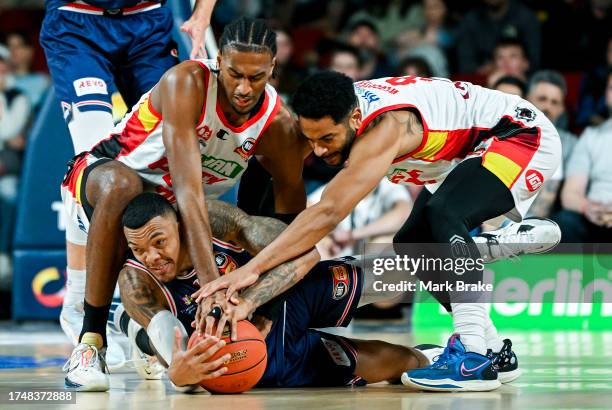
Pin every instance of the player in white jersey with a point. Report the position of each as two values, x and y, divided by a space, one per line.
479 153
189 137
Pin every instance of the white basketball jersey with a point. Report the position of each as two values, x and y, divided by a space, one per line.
452 113
225 149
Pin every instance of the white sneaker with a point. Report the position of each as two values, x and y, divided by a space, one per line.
148 367
532 235
86 369
430 351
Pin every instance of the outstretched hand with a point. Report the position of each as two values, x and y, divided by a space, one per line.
196 30
189 366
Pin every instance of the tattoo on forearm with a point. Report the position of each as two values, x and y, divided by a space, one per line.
273 283
139 296
230 223
258 232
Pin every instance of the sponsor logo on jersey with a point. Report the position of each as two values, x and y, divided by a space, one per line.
403 176
221 134
204 132
526 114
89 85
245 149
229 169
382 87
225 263
341 281
534 179
336 352
187 299
369 96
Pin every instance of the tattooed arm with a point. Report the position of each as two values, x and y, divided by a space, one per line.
140 295
252 233
279 279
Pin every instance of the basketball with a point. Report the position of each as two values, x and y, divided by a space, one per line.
247 364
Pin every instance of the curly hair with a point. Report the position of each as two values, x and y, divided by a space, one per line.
325 93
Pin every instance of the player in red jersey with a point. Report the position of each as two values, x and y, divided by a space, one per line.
479 153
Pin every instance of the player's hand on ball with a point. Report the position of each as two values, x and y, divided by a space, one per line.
189 366
232 314
233 282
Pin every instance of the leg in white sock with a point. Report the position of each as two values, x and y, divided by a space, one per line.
469 321
493 341
87 128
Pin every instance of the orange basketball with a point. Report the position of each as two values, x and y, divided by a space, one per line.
247 364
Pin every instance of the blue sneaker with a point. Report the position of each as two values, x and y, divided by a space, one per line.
455 370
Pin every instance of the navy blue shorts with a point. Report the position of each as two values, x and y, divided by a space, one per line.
89 56
298 355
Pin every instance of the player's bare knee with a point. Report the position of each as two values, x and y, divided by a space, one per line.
114 185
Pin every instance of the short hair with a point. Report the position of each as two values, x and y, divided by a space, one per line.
348 49
548 76
420 63
365 23
145 207
512 80
325 93
248 34
24 35
511 42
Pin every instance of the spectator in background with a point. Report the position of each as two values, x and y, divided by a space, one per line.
379 215
509 58
346 60
413 66
364 36
30 83
431 40
14 115
547 91
482 28
286 75
587 193
592 109
511 85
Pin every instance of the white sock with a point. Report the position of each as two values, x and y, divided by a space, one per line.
87 128
494 342
75 286
469 320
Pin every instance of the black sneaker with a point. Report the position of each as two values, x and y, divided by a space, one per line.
505 362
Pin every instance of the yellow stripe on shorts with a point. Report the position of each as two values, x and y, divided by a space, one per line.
146 117
78 186
504 168
435 142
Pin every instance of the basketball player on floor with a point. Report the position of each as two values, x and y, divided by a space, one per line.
479 153
158 279
190 136
93 47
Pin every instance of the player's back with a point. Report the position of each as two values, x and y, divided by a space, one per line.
442 104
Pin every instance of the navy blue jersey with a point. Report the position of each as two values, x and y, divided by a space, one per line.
103 4
298 355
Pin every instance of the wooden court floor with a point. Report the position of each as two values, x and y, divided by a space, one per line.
561 370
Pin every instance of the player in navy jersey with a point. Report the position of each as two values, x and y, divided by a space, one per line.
158 279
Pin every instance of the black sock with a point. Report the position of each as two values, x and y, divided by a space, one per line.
95 320
143 342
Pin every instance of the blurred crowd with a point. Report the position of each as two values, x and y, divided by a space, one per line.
556 54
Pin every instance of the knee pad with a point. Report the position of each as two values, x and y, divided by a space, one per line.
161 334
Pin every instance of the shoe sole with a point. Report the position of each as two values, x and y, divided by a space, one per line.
80 387
507 377
450 385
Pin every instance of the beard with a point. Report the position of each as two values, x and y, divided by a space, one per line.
345 151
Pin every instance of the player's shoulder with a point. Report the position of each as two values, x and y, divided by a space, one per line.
190 72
